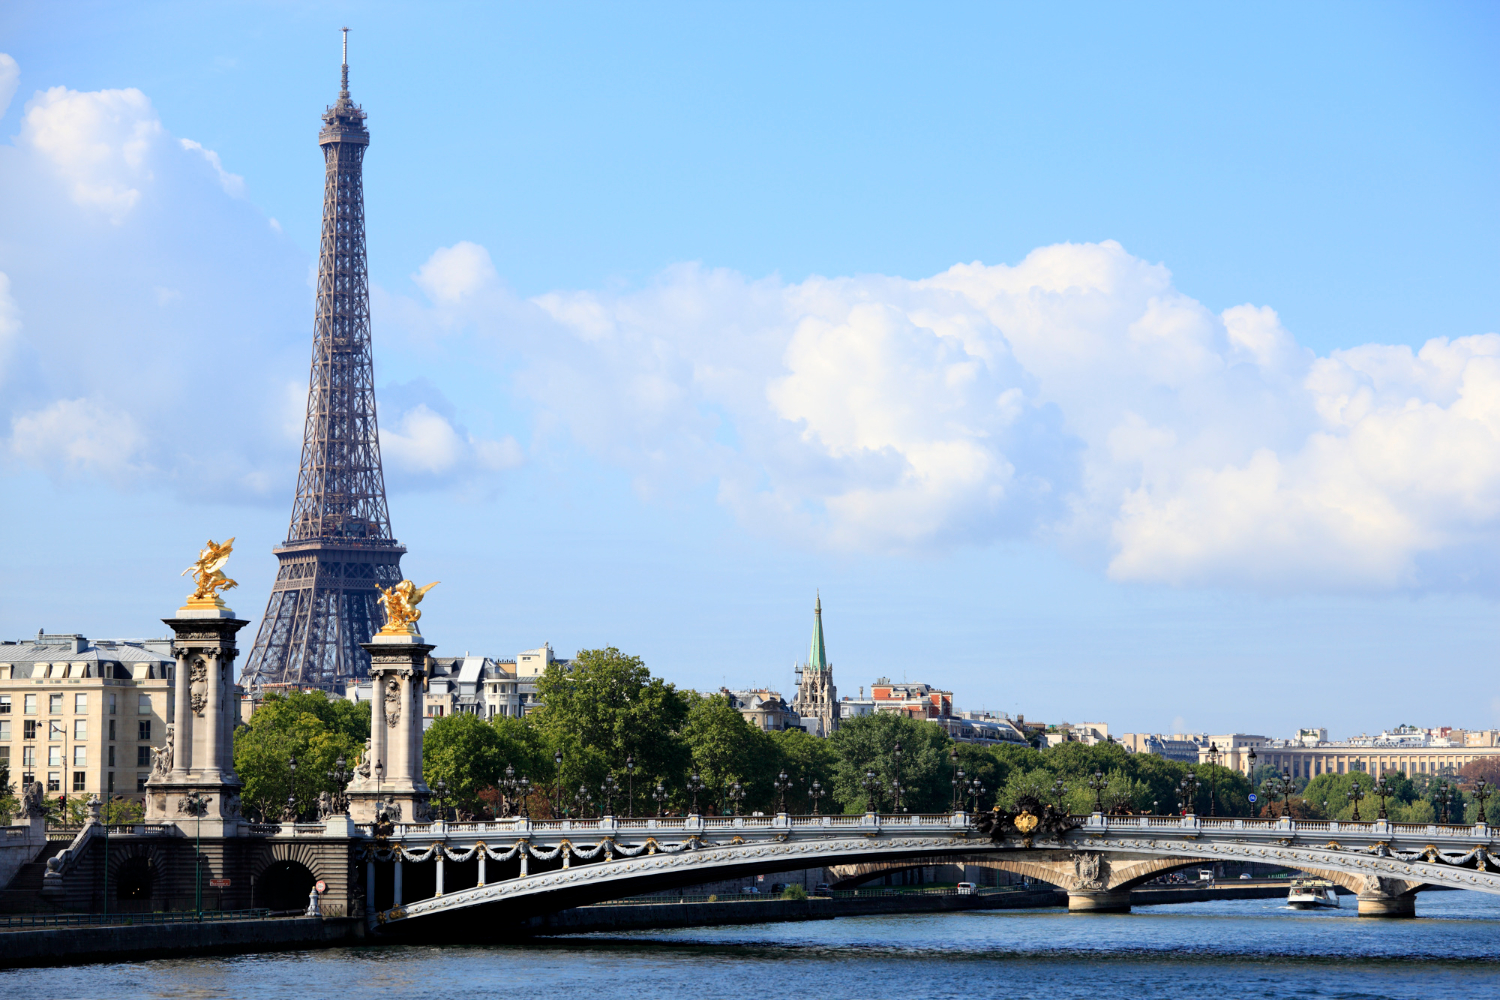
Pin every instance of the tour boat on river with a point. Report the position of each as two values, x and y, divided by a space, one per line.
1312 894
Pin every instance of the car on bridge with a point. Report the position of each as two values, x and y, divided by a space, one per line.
966 888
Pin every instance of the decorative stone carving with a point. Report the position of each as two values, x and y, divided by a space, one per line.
198 685
325 805
161 757
392 702
32 800
363 767
1090 871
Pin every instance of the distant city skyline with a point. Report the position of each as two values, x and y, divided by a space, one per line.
678 318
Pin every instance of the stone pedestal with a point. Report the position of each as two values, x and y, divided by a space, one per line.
198 758
1105 901
392 769
1404 905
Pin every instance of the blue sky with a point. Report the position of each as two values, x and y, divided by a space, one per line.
1130 364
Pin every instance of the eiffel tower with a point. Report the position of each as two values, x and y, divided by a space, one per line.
339 547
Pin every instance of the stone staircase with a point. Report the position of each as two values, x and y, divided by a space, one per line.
24 893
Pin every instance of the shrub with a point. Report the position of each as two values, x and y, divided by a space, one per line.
794 892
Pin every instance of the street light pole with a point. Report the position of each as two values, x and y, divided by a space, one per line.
630 787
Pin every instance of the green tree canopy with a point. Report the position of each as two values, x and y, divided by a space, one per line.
467 754
724 748
868 743
805 758
305 725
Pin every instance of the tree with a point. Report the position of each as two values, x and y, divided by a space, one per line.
467 754
805 758
725 749
304 725
604 707
868 743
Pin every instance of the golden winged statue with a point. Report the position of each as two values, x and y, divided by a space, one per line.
208 573
401 602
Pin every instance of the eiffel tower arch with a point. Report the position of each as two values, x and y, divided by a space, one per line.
339 547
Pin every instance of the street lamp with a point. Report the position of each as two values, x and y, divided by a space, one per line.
958 775
1482 791
1059 792
511 787
1097 784
630 787
1443 797
1188 790
195 806
340 778
442 798
583 800
975 790
782 783
557 783
736 795
815 792
694 786
896 788
291 798
872 789
525 794
660 795
1382 791
609 788
1213 778
1250 774
1355 795
1287 787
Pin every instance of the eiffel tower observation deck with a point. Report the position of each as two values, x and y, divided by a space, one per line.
339 547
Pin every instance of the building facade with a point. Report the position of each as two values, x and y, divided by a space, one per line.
82 716
816 702
764 709
915 701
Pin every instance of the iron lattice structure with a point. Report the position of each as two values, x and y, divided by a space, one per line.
339 547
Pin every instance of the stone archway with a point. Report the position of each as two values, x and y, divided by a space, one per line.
135 879
284 885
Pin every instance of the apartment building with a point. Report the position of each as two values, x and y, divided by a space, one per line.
82 716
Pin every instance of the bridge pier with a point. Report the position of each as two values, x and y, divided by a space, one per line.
1380 905
396 883
1102 901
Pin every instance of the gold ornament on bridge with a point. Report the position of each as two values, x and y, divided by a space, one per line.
208 574
401 602
1026 822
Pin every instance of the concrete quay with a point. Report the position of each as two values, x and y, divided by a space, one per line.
82 945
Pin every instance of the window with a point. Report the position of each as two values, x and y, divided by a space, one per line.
30 730
4 704
54 756
54 704
144 729
5 756
111 757
28 757
111 708
80 704
56 731
80 729
110 788
4 729
80 756
111 728
78 780
140 782
142 756
54 781
144 708
29 705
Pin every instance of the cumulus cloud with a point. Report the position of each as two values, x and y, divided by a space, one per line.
422 444
10 76
1077 396
233 184
98 141
79 436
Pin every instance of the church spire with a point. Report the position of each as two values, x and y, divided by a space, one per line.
817 658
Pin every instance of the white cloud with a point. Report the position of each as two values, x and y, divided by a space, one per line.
10 326
99 141
1077 395
79 436
233 184
10 76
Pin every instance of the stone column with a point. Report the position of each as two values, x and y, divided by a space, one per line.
398 671
202 766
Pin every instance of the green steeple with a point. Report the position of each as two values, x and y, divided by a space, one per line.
817 659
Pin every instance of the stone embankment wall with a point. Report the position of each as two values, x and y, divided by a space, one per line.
115 943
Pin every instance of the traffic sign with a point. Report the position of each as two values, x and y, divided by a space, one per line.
1252 797
219 883
322 887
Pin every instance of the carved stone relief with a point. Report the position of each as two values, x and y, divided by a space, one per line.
392 702
198 685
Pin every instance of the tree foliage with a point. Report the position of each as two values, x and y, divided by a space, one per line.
309 726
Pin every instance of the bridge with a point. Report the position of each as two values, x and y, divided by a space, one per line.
516 867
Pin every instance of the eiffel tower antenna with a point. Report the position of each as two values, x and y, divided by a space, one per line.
339 547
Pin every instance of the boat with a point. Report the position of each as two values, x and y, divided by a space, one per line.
1312 894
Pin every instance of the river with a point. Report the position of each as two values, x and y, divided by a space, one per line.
1207 951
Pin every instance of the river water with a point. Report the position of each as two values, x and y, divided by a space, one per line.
1207 951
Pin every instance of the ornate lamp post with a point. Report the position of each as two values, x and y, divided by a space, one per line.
1482 791
340 776
1213 777
1059 792
291 794
872 789
1356 794
1097 785
1250 774
896 788
1382 791
196 806
782 783
1188 791
660 795
630 787
1288 786
557 782
609 788
525 793
694 786
583 800
975 790
441 787
1443 797
736 795
814 793
511 788
958 775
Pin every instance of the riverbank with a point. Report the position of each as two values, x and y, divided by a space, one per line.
126 942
